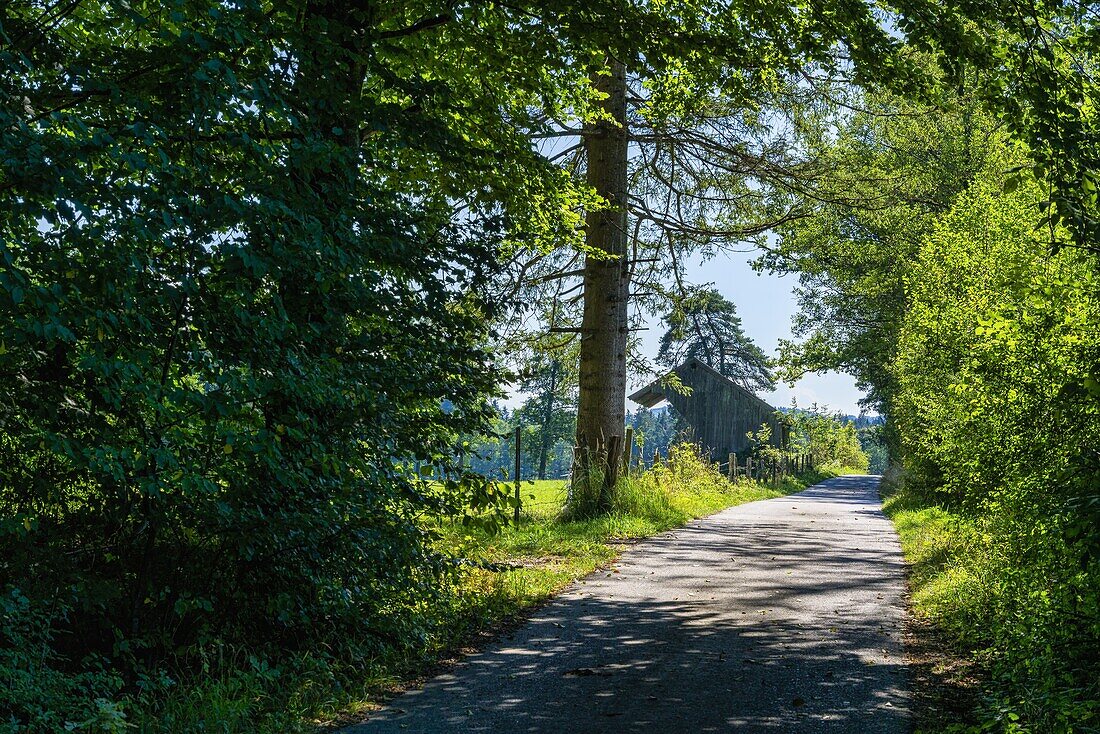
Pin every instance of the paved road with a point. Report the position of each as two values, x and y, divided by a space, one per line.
777 616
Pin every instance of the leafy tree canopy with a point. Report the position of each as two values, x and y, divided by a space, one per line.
889 167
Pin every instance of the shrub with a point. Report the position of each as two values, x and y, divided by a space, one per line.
42 691
226 332
998 413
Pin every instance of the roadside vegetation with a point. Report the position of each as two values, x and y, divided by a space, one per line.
997 416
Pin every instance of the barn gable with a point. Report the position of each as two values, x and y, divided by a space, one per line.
719 411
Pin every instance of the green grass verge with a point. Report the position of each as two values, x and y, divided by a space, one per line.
504 575
937 542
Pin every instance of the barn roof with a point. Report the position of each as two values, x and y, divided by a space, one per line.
655 392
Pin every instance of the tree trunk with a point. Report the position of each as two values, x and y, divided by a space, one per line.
601 412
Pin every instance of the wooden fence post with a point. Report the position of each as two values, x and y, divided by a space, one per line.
628 450
515 514
731 470
748 467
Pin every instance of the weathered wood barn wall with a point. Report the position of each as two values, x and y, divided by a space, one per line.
719 411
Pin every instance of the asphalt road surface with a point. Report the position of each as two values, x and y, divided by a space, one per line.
777 616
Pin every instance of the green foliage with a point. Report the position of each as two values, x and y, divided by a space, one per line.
958 586
492 453
893 166
655 431
232 301
38 689
548 415
685 485
589 492
1035 65
762 446
831 442
941 545
998 418
872 442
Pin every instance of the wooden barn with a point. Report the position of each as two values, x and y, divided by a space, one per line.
719 411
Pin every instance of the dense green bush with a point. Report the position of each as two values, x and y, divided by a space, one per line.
37 690
228 324
998 411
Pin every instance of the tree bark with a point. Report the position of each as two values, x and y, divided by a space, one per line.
601 412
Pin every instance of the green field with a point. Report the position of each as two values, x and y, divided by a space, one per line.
543 498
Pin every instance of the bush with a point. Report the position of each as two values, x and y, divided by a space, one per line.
42 691
998 413
226 333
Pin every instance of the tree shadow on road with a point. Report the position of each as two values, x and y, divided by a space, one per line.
744 624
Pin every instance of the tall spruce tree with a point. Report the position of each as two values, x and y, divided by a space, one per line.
705 326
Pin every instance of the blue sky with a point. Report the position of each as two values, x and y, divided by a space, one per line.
765 303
